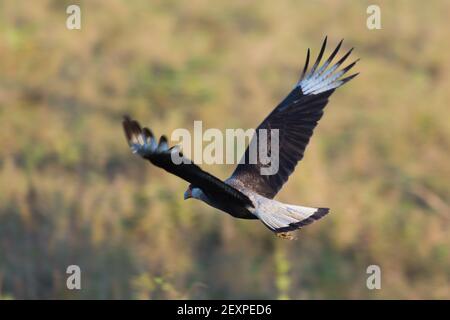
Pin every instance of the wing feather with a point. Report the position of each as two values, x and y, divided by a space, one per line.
296 118
143 143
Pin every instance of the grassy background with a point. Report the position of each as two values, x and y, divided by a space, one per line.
71 192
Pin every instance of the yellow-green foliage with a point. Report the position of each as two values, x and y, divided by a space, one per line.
72 193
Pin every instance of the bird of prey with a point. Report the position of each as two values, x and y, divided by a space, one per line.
248 194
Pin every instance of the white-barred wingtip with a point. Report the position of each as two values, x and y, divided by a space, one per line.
324 78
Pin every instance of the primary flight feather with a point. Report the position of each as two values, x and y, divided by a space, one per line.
248 194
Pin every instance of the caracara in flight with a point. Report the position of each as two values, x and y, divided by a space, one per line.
248 194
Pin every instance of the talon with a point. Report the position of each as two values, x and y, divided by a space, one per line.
286 235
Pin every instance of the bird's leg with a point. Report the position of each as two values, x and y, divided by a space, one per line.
286 235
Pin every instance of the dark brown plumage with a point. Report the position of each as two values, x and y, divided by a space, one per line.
247 193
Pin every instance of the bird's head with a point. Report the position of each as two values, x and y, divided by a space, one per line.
191 192
196 193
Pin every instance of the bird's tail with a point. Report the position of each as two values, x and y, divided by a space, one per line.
280 217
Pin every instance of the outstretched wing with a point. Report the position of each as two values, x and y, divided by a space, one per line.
295 118
142 142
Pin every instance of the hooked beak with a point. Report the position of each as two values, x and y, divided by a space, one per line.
187 194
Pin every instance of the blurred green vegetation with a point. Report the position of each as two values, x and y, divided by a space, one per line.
72 193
